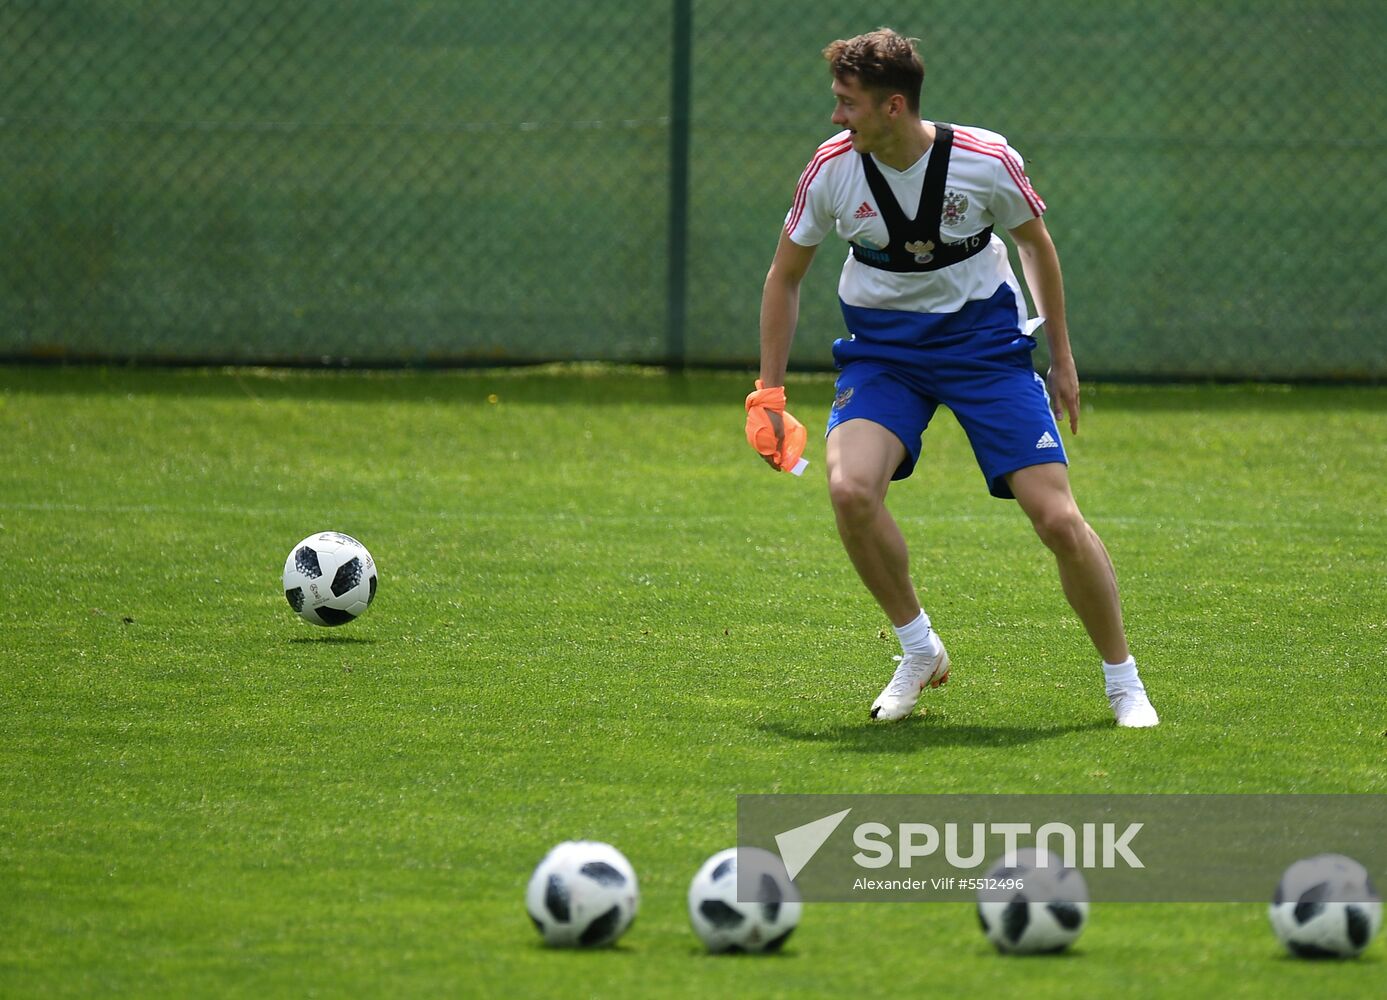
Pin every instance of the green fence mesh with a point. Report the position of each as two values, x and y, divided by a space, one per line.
420 181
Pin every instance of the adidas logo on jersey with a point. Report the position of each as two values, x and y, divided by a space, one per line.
1047 440
865 211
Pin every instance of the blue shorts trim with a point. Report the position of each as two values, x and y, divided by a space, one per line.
898 367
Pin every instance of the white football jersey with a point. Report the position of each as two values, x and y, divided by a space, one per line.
986 186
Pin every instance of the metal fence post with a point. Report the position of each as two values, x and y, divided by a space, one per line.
678 236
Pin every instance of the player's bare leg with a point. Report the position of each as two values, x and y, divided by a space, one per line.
861 458
1089 581
862 455
1086 572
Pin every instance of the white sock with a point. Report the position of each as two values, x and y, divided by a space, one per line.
916 636
1122 675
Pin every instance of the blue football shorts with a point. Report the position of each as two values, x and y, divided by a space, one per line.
899 366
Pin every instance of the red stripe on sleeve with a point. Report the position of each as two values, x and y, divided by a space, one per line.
825 153
969 141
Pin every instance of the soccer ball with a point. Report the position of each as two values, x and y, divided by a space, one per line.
727 925
1325 907
1043 912
329 578
583 894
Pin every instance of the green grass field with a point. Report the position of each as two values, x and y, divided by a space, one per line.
600 616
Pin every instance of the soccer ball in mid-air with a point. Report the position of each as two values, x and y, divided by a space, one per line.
762 920
582 894
1030 908
329 578
1326 907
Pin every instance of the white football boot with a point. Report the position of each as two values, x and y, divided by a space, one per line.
915 671
1132 708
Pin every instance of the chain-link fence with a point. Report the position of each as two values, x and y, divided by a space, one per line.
420 181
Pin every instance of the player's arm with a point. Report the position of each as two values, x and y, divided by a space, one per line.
778 437
1040 263
780 307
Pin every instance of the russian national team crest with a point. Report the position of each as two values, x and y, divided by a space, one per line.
955 208
923 251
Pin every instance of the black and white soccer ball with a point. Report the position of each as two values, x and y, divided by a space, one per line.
583 894
1326 907
329 578
759 922
1030 908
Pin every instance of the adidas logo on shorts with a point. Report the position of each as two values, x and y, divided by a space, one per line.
1047 440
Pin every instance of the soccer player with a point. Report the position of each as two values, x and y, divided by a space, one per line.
935 315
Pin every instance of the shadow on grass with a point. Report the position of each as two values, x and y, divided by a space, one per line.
334 640
920 734
783 955
1181 396
618 947
1063 955
583 384
600 383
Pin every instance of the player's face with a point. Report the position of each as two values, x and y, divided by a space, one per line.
862 113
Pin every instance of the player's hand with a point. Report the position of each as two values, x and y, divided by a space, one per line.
1063 382
776 435
777 421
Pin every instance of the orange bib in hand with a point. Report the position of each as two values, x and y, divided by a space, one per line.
765 408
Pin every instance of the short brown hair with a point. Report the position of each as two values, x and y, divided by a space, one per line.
882 61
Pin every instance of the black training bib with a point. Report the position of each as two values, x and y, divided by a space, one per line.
916 244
